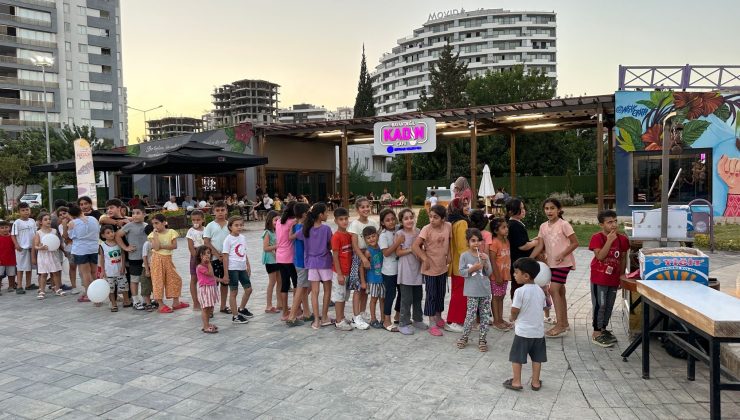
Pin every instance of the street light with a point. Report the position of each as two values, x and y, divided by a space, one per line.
44 62
144 111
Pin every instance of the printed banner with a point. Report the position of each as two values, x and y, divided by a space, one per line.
85 171
406 136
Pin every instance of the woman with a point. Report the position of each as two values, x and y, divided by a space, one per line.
462 189
458 211
84 233
519 243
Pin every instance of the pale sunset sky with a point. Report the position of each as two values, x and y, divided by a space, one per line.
176 51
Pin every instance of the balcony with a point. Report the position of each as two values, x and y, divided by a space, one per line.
46 3
16 81
24 123
25 102
28 21
26 41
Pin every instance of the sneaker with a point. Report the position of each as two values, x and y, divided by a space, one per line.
148 307
294 323
406 330
435 331
376 324
32 287
239 319
20 291
74 291
609 336
66 288
456 328
421 326
343 325
360 323
139 306
11 289
602 341
246 313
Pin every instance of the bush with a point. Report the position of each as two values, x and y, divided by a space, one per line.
567 200
423 218
535 215
702 241
418 200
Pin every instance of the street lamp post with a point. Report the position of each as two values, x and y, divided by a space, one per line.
44 62
144 111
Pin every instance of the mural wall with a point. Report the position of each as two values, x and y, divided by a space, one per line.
708 151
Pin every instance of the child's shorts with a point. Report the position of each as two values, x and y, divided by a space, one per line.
7 270
118 281
209 296
353 280
146 285
320 274
499 290
522 347
237 277
339 293
272 268
303 277
376 290
23 260
560 274
135 268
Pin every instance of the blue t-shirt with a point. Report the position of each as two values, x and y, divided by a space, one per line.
298 245
373 274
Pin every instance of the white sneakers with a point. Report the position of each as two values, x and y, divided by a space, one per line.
343 325
360 323
456 328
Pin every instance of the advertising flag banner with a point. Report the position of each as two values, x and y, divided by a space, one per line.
85 171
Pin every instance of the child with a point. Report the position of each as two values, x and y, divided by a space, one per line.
500 255
479 221
237 263
66 249
389 243
558 243
529 327
409 275
476 267
268 258
84 232
22 235
47 263
356 283
610 260
341 247
213 237
135 236
284 256
304 285
432 247
7 256
208 291
317 239
163 273
195 241
113 263
145 281
373 275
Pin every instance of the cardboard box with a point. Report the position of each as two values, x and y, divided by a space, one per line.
646 223
654 266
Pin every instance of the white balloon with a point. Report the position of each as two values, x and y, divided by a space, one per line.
190 208
98 291
543 278
51 241
202 204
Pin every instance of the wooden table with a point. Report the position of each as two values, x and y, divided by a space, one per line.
702 312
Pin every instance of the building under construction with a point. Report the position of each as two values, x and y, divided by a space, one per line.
254 101
172 126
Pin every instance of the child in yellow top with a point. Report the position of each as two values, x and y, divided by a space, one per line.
163 273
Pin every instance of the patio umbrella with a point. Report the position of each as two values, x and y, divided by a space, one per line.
486 186
195 158
103 160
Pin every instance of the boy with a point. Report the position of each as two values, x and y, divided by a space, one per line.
432 198
145 281
195 240
529 329
213 237
341 247
133 233
112 260
113 214
373 276
7 256
22 235
236 262
610 260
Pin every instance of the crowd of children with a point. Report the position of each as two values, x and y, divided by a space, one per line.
391 263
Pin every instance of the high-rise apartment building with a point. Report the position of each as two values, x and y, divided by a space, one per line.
487 40
172 126
300 113
80 40
254 101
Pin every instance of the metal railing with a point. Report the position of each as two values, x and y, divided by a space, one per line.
45 3
27 82
679 77
25 123
25 102
21 19
27 41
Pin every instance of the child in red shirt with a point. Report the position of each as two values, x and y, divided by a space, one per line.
7 255
341 247
610 260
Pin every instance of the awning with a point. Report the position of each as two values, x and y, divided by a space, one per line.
103 160
195 158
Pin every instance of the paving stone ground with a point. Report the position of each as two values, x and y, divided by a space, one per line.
62 359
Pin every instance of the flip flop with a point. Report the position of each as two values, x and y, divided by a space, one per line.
181 305
537 388
209 330
391 328
562 333
507 384
327 323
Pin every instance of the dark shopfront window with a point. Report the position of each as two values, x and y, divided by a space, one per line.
315 185
694 182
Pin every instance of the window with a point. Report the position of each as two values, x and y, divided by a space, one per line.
70 103
84 104
82 29
101 105
695 180
67 27
70 84
36 75
100 87
85 121
68 65
65 7
33 96
84 85
70 121
84 67
36 35
38 116
82 48
67 46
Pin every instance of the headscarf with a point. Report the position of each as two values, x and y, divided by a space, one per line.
455 211
463 189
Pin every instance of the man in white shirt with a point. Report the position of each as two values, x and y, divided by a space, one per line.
171 205
189 202
267 202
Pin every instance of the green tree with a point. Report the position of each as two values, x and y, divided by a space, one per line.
357 173
364 104
506 87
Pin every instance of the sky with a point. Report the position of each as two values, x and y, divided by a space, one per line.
176 51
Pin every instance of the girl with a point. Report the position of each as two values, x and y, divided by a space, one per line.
458 218
303 289
284 256
163 272
318 260
47 262
66 248
268 259
236 262
479 221
195 241
409 274
389 243
112 261
432 247
84 232
475 266
500 256
208 292
359 298
519 243
558 243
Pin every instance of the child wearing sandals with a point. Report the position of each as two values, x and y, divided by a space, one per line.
389 243
359 261
500 255
195 241
341 247
208 291
269 245
163 273
112 261
475 267
47 262
373 275
317 242
409 275
303 287
529 327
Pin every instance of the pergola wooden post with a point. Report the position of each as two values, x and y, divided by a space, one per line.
261 170
600 156
344 170
473 159
409 193
512 163
610 160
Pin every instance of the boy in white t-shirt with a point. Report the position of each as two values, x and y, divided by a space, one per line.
239 270
195 240
529 329
22 233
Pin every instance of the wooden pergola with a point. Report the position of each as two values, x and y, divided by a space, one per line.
523 117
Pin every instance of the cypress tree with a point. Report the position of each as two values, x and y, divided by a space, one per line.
364 104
